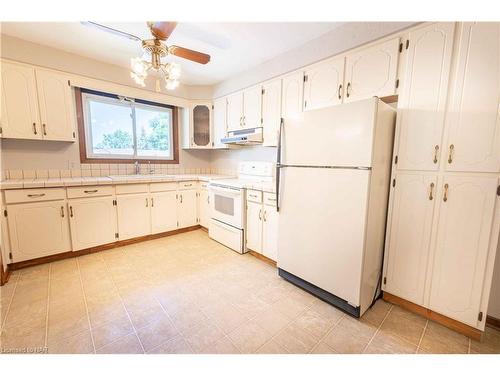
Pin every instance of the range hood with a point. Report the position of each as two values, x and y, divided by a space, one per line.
244 136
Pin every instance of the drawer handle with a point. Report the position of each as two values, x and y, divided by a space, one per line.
36 195
70 211
450 155
445 195
430 193
188 184
90 191
271 199
62 211
436 149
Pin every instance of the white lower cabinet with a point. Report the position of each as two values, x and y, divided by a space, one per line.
466 215
163 211
254 226
203 207
92 222
38 229
187 208
134 215
270 232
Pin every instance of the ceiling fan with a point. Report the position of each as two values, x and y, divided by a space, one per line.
155 49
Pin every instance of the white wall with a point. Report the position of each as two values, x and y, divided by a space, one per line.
229 159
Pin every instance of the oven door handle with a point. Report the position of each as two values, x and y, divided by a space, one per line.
225 191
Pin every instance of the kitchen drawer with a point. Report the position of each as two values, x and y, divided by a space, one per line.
187 185
203 185
90 191
162 186
270 199
131 188
33 195
254 196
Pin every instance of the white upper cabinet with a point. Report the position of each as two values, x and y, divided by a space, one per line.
292 94
473 121
219 122
463 234
56 106
423 95
409 235
252 107
372 71
19 112
271 111
201 125
323 84
234 111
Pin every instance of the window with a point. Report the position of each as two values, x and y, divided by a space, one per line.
119 129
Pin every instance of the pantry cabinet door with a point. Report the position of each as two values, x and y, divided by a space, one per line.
220 127
423 95
292 95
271 112
252 107
409 235
56 106
163 212
134 215
254 226
270 233
38 229
92 222
473 118
187 208
372 71
323 84
204 208
19 111
465 218
234 111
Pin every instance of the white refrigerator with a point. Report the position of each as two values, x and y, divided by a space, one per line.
332 183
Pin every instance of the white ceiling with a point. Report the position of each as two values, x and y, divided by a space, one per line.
234 47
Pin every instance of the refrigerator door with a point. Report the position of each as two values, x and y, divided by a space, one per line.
340 135
322 227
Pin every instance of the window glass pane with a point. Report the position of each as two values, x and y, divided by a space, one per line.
154 132
111 128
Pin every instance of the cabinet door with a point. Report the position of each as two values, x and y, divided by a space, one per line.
187 208
409 235
204 208
134 215
234 112
323 84
19 112
56 106
270 233
292 95
372 71
201 126
219 123
254 226
423 97
463 232
38 229
271 112
163 211
473 120
92 222
252 107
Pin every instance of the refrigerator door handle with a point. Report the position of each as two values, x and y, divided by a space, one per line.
278 167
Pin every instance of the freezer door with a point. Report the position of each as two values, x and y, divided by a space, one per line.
322 227
340 135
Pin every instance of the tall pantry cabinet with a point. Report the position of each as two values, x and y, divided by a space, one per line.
444 215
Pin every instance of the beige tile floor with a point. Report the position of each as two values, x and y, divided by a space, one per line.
189 294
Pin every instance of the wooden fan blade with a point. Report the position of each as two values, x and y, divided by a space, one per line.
189 54
111 30
162 30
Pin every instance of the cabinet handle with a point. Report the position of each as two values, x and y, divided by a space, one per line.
152 202
450 155
445 195
90 191
260 214
265 212
147 202
436 150
34 129
36 195
339 92
44 129
62 211
348 91
70 211
208 199
430 193
186 185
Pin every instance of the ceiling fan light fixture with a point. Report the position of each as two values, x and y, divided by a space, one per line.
171 84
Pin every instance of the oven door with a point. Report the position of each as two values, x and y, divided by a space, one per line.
226 205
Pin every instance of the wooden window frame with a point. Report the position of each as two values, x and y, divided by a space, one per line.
82 139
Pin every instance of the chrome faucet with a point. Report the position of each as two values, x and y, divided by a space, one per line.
137 168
